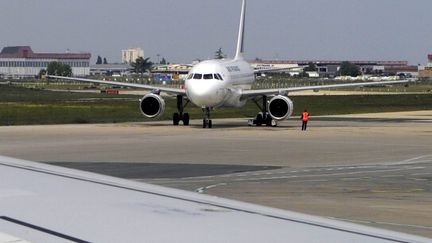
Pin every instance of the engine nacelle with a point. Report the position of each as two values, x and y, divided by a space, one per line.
280 107
152 105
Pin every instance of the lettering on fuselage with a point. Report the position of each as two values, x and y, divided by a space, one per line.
233 69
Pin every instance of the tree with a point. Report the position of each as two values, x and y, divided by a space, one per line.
349 69
219 54
42 73
163 61
141 65
59 69
311 67
105 61
99 60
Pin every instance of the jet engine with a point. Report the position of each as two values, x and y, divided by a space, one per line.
280 107
152 105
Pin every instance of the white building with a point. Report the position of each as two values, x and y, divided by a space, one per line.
131 54
21 62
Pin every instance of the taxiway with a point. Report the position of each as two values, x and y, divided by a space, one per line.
374 169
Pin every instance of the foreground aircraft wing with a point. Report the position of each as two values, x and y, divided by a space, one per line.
44 203
284 91
142 86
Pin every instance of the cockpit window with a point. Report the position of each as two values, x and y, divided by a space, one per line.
197 76
208 76
218 76
205 76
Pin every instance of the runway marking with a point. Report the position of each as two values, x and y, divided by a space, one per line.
397 190
265 178
417 179
351 179
417 174
203 189
415 160
249 176
317 180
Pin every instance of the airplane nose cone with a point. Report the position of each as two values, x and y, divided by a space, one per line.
205 93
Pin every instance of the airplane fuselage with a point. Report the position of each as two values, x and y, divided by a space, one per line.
223 83
216 83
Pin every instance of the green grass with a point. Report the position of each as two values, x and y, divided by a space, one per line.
19 106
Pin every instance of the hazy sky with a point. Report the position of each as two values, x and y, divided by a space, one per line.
184 30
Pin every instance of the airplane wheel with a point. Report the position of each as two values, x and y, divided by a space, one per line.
204 123
185 119
259 120
268 120
176 119
210 125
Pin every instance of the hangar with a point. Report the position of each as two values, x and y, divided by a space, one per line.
21 62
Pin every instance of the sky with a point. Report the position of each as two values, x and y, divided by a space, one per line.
186 30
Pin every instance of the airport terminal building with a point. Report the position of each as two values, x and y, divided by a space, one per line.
22 62
329 68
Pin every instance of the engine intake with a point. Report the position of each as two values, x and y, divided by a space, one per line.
280 107
152 105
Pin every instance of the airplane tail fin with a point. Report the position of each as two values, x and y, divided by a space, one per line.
240 43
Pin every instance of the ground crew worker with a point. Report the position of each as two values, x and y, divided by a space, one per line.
305 119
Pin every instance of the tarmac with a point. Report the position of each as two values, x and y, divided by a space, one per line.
372 169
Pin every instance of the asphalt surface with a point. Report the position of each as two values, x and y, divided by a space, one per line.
373 169
155 170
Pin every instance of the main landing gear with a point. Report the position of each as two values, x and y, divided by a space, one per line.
263 117
207 122
180 115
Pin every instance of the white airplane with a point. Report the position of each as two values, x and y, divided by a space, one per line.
224 83
45 203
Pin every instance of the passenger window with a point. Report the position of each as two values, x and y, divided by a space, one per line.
197 76
208 76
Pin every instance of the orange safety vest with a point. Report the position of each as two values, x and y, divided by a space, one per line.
305 116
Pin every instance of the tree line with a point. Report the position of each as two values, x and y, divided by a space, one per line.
57 69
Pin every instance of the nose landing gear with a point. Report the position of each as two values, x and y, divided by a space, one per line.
207 122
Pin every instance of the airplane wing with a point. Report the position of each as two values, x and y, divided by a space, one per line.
142 86
269 70
44 203
284 91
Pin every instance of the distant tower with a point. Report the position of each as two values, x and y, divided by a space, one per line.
426 71
131 54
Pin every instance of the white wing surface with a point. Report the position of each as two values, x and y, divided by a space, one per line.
284 91
245 93
43 203
142 86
